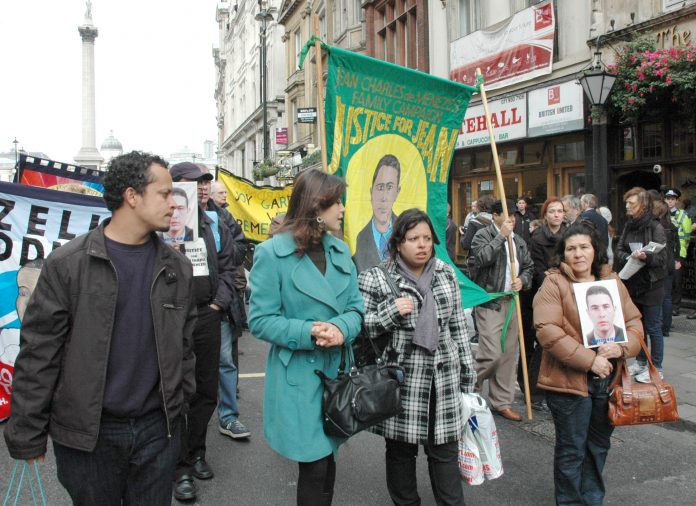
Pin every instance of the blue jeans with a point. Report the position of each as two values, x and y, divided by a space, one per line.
583 436
227 389
132 463
652 321
667 304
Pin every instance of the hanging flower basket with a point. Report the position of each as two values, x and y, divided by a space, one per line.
651 80
265 169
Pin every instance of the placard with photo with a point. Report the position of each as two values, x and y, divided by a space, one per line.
601 315
182 227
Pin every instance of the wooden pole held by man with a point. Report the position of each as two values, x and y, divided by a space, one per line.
511 246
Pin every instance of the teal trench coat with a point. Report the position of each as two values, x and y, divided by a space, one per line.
288 294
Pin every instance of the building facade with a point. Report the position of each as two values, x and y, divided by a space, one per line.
238 93
340 23
538 111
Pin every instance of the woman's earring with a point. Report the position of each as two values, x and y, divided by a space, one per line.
320 220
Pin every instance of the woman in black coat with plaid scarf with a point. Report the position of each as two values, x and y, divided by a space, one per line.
429 340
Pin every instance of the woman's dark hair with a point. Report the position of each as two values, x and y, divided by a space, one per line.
130 170
314 191
582 227
405 222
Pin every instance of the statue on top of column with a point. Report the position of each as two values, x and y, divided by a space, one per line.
88 12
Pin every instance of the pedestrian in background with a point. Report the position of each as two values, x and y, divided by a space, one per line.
682 222
571 208
576 378
646 286
429 340
213 290
305 302
542 249
661 212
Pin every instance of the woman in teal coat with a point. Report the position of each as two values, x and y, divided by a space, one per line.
305 302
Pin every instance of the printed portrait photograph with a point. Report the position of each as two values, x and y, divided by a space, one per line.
601 315
182 227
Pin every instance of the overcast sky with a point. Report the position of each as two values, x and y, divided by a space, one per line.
155 74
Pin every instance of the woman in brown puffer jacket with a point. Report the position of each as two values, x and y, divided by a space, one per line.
576 378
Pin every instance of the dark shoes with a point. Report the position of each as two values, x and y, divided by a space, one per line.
184 488
540 406
201 469
510 414
675 312
692 316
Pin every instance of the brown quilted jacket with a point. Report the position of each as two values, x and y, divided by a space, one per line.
565 361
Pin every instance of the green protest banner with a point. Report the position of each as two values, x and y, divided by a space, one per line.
391 133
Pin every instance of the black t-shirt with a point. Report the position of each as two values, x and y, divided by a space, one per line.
132 375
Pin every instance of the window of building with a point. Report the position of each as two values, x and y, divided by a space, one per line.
292 117
651 140
468 17
532 152
298 46
322 26
396 39
683 138
357 11
569 152
628 152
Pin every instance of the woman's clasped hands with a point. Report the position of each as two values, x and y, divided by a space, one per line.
326 334
601 365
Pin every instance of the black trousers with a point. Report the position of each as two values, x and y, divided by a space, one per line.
532 348
677 283
315 483
206 346
443 468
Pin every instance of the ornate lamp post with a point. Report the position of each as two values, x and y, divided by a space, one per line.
597 83
264 16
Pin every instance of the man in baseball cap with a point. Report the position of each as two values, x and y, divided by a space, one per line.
213 291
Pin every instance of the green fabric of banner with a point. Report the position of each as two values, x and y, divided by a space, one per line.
376 110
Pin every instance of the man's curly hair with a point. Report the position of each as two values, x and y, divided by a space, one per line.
131 170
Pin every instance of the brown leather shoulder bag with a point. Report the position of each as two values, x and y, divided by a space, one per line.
639 403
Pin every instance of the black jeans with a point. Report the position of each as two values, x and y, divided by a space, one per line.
443 468
583 436
132 463
206 346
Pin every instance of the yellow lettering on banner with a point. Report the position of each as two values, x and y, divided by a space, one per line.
334 164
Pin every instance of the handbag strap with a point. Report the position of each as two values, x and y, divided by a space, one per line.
390 281
25 466
626 382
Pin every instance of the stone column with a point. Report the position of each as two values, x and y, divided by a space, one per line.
89 155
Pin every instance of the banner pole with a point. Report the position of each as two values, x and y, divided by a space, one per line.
320 93
511 246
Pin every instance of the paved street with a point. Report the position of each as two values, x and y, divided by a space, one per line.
649 465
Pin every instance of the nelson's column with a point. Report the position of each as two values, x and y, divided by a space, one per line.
89 155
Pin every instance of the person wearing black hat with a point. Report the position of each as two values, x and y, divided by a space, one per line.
683 224
213 292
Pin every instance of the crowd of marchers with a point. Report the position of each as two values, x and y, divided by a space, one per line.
127 351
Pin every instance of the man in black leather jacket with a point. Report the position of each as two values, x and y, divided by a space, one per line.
106 362
489 267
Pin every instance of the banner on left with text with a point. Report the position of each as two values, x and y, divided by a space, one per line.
33 222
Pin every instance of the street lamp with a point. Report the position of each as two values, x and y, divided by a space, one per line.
264 16
597 83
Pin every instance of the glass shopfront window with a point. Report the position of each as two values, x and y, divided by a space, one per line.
683 138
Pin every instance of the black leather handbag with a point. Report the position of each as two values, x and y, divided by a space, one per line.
361 397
